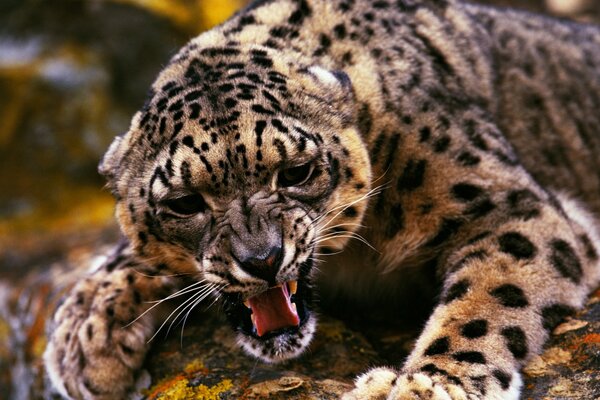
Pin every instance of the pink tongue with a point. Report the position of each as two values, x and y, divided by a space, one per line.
272 310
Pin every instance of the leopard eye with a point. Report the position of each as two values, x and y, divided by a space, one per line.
295 176
187 205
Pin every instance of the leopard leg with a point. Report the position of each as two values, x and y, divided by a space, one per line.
100 333
502 294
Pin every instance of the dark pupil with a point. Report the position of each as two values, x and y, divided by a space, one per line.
294 176
186 205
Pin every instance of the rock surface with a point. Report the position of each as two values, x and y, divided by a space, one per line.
203 361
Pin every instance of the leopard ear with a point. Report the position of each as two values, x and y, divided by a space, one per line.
334 79
111 161
328 90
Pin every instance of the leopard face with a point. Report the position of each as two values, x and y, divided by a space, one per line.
237 170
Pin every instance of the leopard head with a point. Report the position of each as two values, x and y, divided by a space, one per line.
239 168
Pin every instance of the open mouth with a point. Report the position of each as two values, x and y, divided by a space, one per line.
281 309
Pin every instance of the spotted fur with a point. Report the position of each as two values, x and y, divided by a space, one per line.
443 134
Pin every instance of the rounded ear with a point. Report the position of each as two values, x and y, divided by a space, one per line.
336 83
111 159
110 164
330 89
338 79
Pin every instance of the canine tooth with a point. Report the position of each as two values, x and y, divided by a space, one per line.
253 318
295 308
247 303
293 285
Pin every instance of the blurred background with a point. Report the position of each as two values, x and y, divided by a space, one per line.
72 72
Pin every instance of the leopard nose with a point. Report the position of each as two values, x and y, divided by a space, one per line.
263 266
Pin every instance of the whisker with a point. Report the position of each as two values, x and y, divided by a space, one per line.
185 290
183 305
349 235
194 304
180 292
369 194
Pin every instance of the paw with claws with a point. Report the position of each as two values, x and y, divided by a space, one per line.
95 350
387 384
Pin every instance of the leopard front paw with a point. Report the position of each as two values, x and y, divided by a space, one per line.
387 384
423 386
373 385
92 353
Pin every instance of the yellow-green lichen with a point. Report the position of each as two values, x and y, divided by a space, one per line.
195 366
178 388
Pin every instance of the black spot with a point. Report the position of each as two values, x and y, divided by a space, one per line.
439 346
380 4
262 61
517 245
466 192
510 296
442 144
339 31
261 110
279 31
503 378
457 291
279 126
468 159
230 103
552 315
143 238
590 250
475 329
412 176
516 341
473 357
523 204
219 51
350 212
191 96
479 383
195 107
392 147
480 208
433 370
365 120
176 129
448 228
188 141
474 255
564 259
424 134
436 55
300 14
475 137
395 221
324 40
